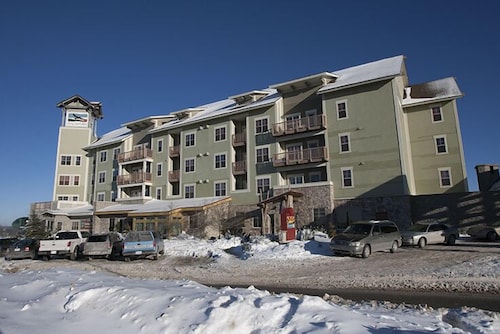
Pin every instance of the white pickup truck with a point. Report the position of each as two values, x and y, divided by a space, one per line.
63 243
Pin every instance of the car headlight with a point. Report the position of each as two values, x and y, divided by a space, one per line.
354 244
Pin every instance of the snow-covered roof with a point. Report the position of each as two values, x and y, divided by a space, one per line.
361 74
111 137
443 89
154 206
84 210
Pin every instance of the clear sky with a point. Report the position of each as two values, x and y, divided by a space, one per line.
144 58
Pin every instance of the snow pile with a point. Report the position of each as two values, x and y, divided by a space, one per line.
65 300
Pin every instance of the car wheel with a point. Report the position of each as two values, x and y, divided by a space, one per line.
422 242
127 259
452 240
7 258
491 236
394 247
33 255
74 255
366 251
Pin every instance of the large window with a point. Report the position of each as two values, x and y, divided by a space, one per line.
440 144
189 166
220 160
189 191
444 177
103 156
344 143
65 160
263 185
262 154
437 115
100 197
261 125
190 140
347 177
220 133
64 180
220 188
341 109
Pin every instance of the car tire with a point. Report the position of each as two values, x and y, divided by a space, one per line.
127 259
394 247
73 256
452 239
491 236
33 256
366 251
422 243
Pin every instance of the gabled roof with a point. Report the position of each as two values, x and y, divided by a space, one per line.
371 72
112 137
147 121
432 91
95 108
314 80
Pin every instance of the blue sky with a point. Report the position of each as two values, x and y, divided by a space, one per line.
143 58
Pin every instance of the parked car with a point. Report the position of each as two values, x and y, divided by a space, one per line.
483 232
63 244
366 237
422 234
141 244
23 249
107 245
5 244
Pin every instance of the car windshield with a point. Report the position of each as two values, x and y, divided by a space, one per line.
418 228
358 229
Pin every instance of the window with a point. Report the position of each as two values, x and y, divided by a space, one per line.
220 160
296 179
189 165
445 177
344 143
262 154
103 155
315 177
116 151
100 197
102 177
257 221
63 198
341 109
64 180
189 191
319 213
76 180
437 115
159 169
440 144
160 145
220 134
75 225
261 125
158 193
347 181
190 140
263 185
220 188
65 160
78 160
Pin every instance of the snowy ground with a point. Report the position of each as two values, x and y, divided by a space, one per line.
167 296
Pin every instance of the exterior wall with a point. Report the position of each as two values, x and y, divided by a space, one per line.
426 160
374 155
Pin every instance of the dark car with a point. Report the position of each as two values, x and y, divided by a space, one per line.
5 244
23 249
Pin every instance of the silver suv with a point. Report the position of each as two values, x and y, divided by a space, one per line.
366 237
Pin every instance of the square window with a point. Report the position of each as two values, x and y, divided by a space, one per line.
220 134
189 191
263 185
189 165
64 180
190 140
220 188
262 154
318 213
65 160
261 125
100 197
220 160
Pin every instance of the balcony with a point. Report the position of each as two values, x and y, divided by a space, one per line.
133 178
239 167
174 176
174 151
239 139
135 155
310 123
309 155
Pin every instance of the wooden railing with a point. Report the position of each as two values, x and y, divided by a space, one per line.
308 155
174 151
136 177
310 123
135 155
174 176
239 139
239 167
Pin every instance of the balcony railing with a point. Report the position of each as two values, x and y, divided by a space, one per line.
310 123
135 155
133 178
239 139
299 157
239 167
173 176
174 151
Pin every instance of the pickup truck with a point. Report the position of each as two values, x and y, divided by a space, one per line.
141 244
63 243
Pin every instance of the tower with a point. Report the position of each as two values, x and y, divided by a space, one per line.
73 167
